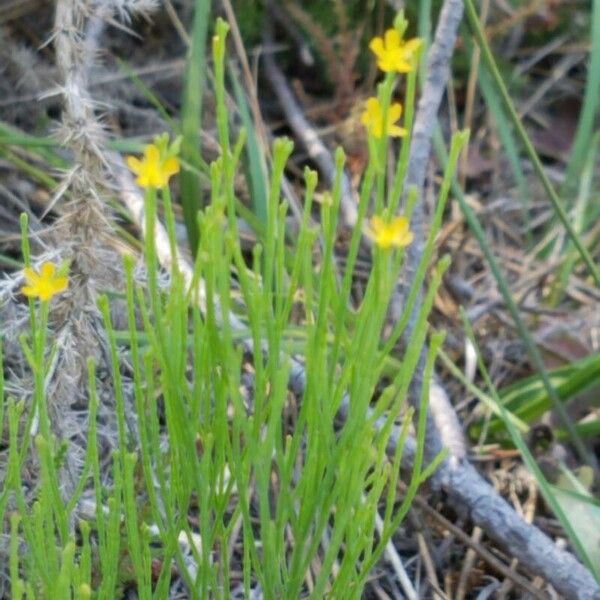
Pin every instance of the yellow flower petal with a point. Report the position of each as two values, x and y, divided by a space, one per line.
385 235
399 226
393 54
392 39
47 270
61 283
30 274
45 284
372 119
400 64
377 47
413 45
377 224
171 166
134 164
154 170
152 154
373 106
143 181
395 131
408 238
394 112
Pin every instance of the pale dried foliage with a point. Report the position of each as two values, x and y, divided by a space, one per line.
21 67
82 235
83 231
22 73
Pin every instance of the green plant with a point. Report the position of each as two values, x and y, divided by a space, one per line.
271 481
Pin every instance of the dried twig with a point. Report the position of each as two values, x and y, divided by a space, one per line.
447 433
487 509
396 562
469 562
479 550
523 541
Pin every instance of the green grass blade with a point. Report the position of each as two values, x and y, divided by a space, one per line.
589 110
148 94
44 145
582 217
527 400
191 114
481 396
257 169
494 104
490 63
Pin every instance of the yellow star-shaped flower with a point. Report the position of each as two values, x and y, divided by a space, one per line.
372 119
45 284
385 235
153 170
393 53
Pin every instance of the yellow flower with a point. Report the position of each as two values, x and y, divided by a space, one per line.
386 235
45 284
393 53
153 170
372 119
